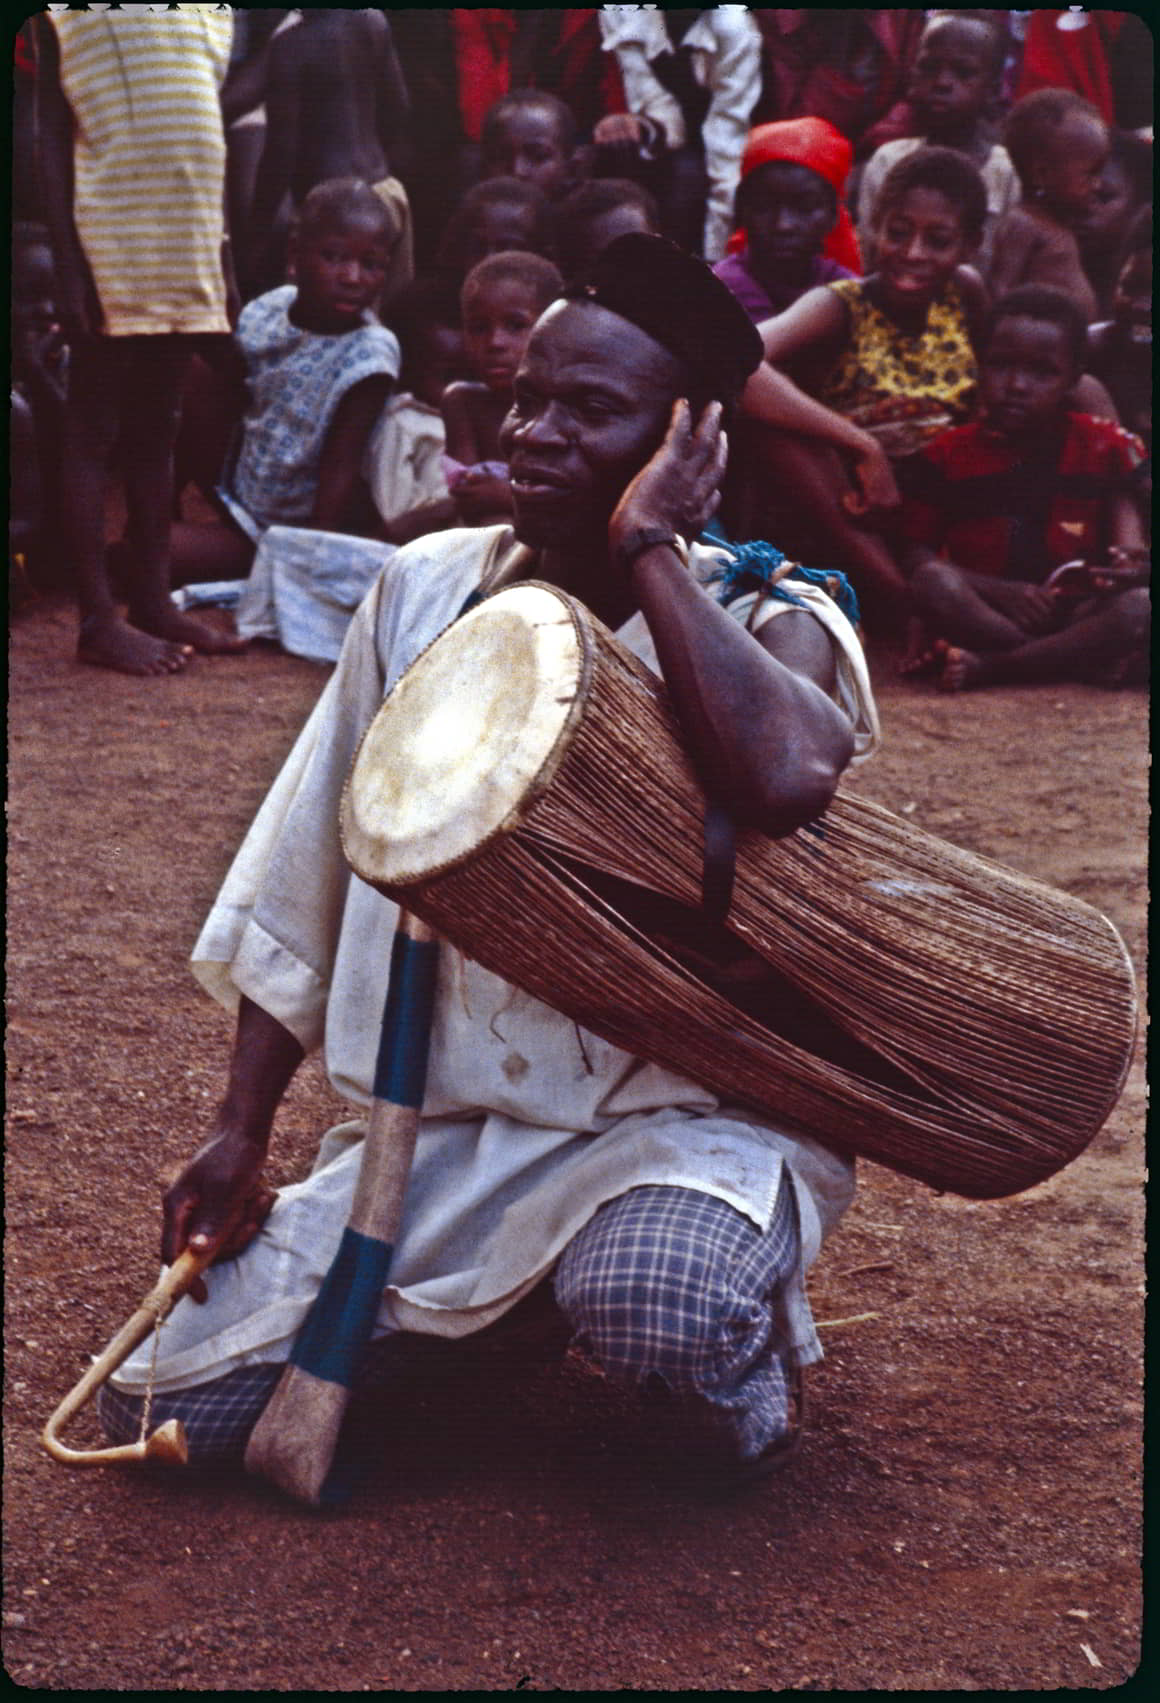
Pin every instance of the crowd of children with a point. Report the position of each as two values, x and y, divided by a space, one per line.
940 222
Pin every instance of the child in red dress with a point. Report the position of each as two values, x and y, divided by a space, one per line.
1025 546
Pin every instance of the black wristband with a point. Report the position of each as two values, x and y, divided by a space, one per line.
644 538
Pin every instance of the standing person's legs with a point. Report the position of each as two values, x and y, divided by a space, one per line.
92 419
158 366
100 411
678 1296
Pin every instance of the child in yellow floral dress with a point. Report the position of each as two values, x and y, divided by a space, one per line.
884 361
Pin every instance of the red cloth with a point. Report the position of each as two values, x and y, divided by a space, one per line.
848 67
1055 58
483 49
568 60
992 509
817 145
578 70
24 52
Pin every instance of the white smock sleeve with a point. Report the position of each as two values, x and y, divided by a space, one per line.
636 35
733 74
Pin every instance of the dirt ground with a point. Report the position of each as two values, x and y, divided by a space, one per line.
965 1513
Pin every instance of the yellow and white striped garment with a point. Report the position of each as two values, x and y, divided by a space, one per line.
149 161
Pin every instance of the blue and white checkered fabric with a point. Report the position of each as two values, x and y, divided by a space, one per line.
297 379
673 1291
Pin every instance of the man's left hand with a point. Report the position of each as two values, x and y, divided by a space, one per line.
679 489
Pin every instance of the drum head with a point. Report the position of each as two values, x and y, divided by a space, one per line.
469 736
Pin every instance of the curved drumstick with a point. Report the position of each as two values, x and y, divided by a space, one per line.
168 1442
294 1441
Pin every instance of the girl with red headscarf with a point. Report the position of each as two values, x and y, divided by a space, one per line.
793 229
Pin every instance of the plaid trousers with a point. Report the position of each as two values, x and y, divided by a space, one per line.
672 1290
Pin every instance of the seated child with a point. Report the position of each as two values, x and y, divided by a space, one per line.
1024 542
793 230
403 466
953 82
530 134
1059 145
319 368
882 364
306 583
1120 349
495 217
502 299
1125 187
592 214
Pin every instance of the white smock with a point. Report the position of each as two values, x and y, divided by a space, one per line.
529 1123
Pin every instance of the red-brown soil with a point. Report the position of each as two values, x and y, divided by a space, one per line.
965 1513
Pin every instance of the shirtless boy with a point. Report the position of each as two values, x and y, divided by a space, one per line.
335 101
502 299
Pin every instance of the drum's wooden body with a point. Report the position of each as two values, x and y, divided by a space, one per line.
527 760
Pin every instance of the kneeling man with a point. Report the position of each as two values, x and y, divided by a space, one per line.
668 1230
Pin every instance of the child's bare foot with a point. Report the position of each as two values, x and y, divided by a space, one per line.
184 630
925 660
961 669
110 642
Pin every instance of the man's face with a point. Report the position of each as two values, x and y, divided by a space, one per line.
593 399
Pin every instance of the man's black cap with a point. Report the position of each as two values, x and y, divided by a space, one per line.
675 299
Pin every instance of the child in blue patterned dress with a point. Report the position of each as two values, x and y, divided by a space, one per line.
318 367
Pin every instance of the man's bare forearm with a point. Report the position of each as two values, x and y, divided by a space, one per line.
264 1060
767 739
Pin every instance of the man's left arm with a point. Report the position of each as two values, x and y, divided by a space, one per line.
767 738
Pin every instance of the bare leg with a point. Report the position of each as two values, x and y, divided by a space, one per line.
150 431
954 605
209 417
207 550
1091 648
98 390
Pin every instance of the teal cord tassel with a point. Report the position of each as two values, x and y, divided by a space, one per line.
758 566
